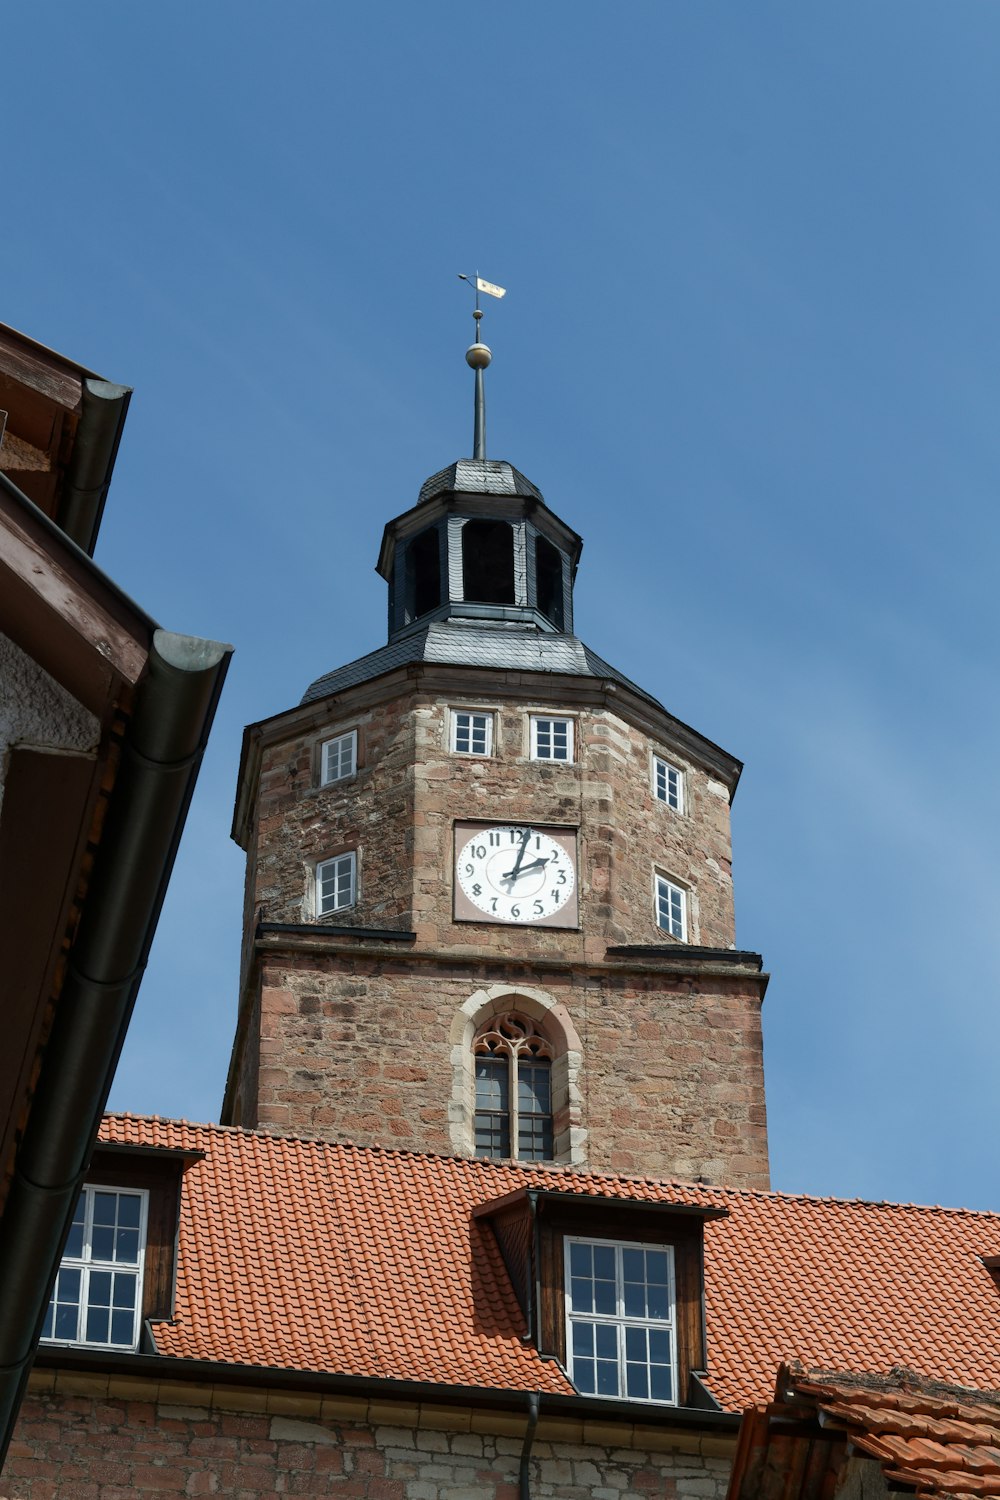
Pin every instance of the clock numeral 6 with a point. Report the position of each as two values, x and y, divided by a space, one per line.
515 911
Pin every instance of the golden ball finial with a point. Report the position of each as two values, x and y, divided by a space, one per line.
478 356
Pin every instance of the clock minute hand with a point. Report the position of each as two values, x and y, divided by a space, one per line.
513 874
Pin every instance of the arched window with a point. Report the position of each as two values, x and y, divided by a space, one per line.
513 1063
488 562
549 581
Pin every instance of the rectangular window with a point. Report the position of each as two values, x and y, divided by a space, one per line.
551 739
492 1106
620 1320
471 734
339 758
671 908
668 784
97 1298
336 884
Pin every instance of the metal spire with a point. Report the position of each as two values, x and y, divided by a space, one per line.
478 356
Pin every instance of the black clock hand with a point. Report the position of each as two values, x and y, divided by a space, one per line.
513 874
520 857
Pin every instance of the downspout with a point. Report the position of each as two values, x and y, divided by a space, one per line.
161 755
524 1477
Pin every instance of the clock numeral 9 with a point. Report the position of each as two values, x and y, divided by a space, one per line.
470 869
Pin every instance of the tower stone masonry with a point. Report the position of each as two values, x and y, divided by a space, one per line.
484 820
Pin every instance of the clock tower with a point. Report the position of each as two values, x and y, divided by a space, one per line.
489 905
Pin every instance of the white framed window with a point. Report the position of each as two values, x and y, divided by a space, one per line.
336 883
672 907
620 1320
471 733
97 1298
551 739
668 784
339 758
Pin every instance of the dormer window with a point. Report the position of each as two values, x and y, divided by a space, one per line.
97 1297
619 1283
620 1318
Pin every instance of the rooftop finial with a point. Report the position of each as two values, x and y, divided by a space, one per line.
478 356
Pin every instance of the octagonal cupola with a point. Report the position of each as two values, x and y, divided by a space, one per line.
480 544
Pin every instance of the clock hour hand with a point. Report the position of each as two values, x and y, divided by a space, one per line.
512 875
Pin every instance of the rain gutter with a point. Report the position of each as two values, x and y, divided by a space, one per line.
102 417
161 755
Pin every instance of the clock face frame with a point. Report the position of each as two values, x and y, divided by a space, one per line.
543 893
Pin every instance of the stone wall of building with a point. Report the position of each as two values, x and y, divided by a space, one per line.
665 1076
398 812
89 1437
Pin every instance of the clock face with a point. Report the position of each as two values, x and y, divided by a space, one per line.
517 873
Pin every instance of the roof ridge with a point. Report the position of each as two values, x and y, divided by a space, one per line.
532 1169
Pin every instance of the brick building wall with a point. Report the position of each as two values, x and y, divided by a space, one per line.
90 1437
666 1077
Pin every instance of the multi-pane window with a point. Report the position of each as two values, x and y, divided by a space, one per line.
620 1319
336 884
551 739
668 784
513 1065
339 758
471 733
97 1298
671 908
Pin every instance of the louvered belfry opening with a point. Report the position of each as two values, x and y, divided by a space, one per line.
488 562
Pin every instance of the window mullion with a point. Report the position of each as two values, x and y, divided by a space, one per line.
515 1112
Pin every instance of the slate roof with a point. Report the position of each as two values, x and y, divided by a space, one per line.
364 1261
479 476
510 648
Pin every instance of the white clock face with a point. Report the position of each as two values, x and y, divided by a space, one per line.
516 873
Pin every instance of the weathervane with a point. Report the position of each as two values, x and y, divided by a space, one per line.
478 356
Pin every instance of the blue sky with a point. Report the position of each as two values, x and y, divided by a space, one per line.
749 351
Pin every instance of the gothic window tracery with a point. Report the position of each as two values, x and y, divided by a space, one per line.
513 1070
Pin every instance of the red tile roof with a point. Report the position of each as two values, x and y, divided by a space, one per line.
939 1440
357 1260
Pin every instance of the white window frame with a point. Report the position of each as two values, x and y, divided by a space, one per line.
350 859
471 714
665 885
665 769
335 746
87 1266
620 1320
552 719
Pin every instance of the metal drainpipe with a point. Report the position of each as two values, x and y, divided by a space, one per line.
534 1402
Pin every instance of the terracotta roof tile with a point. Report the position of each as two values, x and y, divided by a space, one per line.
306 1255
928 1436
